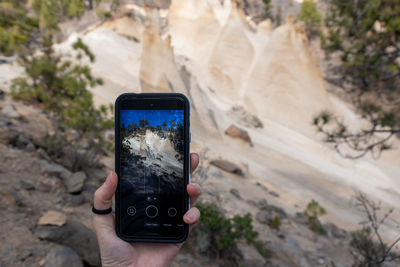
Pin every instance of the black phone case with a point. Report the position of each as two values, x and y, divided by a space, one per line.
186 163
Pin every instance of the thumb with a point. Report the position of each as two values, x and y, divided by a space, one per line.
104 224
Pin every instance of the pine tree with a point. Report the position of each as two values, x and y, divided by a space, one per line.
366 34
16 26
48 13
61 87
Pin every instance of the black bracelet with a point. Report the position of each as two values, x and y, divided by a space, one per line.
101 212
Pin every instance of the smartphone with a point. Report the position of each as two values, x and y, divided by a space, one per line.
152 138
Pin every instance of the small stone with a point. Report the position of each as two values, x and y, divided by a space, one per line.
53 218
22 141
262 204
251 202
27 186
227 166
12 197
10 112
236 132
263 217
278 210
75 182
321 261
30 147
43 154
262 186
42 262
280 234
335 231
235 192
76 200
62 256
24 255
274 194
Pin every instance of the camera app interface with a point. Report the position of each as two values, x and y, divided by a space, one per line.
152 178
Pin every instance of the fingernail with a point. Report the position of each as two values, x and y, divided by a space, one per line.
108 177
189 216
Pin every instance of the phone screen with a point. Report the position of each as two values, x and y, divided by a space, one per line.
152 159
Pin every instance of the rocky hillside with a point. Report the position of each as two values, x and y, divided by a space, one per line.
46 217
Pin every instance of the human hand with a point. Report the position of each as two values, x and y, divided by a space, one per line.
116 252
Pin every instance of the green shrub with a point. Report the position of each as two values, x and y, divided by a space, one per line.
262 249
54 145
103 14
224 233
312 212
61 88
311 17
257 122
275 223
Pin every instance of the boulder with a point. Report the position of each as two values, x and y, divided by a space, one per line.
236 132
235 192
10 112
75 182
264 217
54 169
74 235
62 256
227 166
7 135
53 218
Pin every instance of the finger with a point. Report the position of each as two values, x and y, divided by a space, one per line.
104 224
103 195
194 161
192 216
194 191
